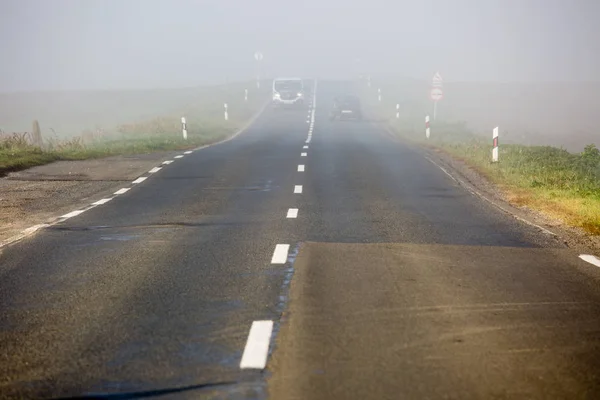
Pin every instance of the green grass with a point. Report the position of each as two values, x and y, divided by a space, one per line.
560 184
205 125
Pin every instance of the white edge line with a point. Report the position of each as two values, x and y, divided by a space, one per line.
72 214
23 234
256 351
298 189
292 213
29 231
241 130
154 170
476 193
102 201
280 254
167 162
187 152
33 229
140 179
443 169
591 259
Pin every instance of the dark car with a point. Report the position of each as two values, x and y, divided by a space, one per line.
346 107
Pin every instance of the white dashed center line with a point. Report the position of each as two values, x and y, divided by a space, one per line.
292 213
121 191
257 346
154 170
280 254
305 147
103 201
302 154
298 189
591 259
140 180
300 168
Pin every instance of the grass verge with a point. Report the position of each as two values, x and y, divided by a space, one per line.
205 125
562 185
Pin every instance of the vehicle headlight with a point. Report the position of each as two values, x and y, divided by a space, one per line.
276 95
300 94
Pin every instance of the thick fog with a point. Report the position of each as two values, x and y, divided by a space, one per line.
530 66
100 44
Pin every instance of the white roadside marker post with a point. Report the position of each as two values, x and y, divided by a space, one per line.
495 145
427 131
245 94
184 128
397 111
379 94
226 114
258 56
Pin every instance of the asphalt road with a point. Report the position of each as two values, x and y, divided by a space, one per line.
397 283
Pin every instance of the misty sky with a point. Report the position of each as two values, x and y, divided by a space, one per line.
104 44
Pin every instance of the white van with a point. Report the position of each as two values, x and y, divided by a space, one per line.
288 92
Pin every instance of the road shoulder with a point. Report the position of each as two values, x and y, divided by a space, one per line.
573 237
41 194
32 198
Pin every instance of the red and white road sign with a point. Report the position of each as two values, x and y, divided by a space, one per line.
436 94
437 80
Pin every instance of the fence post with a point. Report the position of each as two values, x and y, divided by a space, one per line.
36 134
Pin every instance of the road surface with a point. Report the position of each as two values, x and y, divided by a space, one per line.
381 277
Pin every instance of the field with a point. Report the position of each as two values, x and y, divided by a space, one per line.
79 125
562 184
548 114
